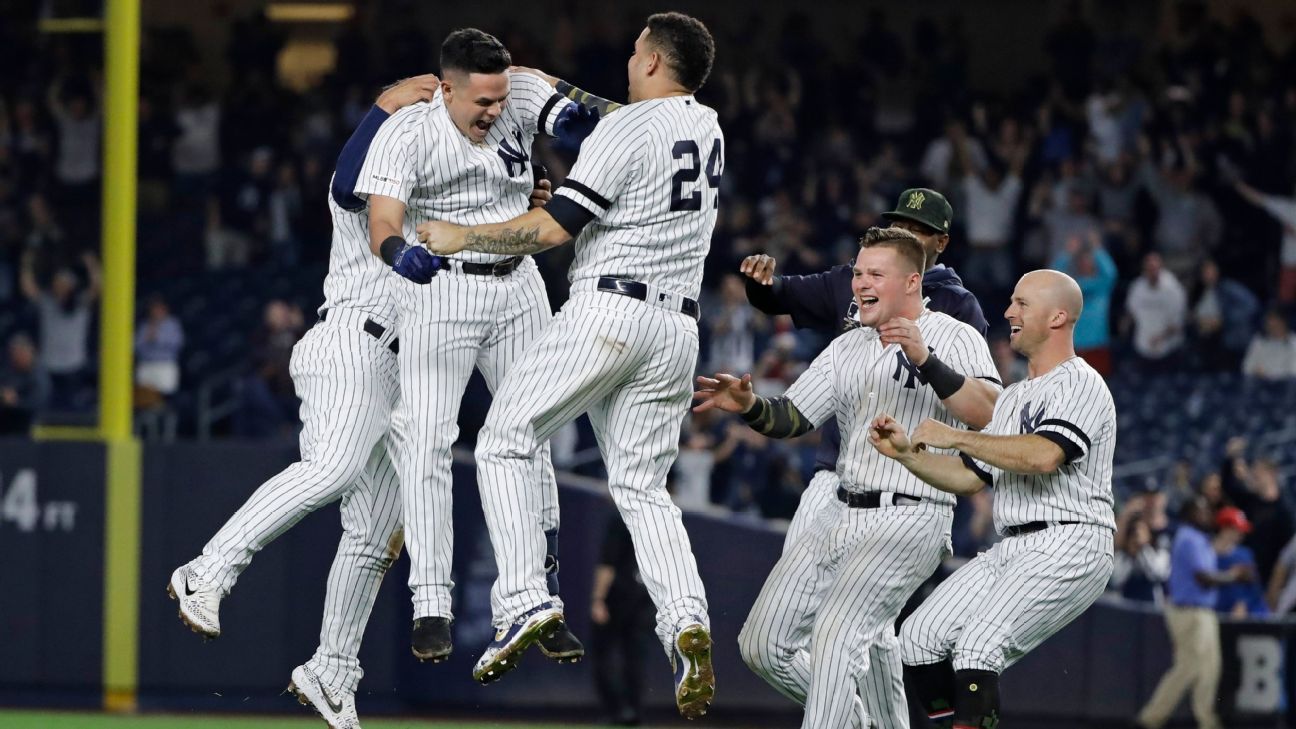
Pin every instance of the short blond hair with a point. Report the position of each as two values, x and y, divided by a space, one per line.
900 240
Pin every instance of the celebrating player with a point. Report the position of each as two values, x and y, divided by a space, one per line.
465 157
886 531
1048 453
344 371
641 203
775 640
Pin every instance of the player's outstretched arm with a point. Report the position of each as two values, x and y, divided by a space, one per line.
945 472
532 232
772 417
1028 453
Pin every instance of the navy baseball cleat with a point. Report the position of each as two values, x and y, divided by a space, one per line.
562 646
503 653
694 677
430 639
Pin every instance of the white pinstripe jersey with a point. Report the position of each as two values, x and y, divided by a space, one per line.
422 159
357 279
855 365
1071 402
649 174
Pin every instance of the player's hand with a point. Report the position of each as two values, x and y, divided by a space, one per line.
726 392
934 434
542 193
905 333
599 612
759 268
416 264
551 80
889 437
444 239
408 91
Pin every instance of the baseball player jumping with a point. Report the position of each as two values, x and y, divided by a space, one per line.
344 371
641 203
775 640
1048 453
463 157
885 531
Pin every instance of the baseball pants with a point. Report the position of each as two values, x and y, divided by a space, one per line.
346 379
629 365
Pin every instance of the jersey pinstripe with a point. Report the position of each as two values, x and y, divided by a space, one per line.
356 278
857 377
1071 401
649 174
422 159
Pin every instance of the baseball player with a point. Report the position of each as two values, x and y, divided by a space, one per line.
346 364
641 203
775 640
1048 453
463 157
886 531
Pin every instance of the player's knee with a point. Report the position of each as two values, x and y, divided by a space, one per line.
758 650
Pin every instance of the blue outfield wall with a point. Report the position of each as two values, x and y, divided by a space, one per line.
51 573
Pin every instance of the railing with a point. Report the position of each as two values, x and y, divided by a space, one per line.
218 398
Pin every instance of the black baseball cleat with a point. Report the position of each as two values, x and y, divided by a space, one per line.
563 646
430 639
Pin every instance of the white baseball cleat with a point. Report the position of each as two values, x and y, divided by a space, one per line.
337 709
694 677
199 601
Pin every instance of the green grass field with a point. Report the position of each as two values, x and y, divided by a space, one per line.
73 720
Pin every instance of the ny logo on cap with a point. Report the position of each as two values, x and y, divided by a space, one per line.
916 200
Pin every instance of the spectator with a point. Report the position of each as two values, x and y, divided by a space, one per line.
1283 210
732 326
1189 225
24 387
267 402
285 214
65 315
158 341
1254 488
622 614
1141 565
1194 628
1239 599
991 196
1093 268
76 168
1074 222
1272 353
1158 307
1223 319
195 155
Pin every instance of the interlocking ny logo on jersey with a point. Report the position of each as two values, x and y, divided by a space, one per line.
513 155
1029 423
904 365
916 200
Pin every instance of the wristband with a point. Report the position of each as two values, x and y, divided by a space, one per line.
390 248
756 413
943 379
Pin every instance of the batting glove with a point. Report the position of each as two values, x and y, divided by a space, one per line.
416 264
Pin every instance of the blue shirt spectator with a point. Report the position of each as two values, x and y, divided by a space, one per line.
1192 554
1247 594
1093 268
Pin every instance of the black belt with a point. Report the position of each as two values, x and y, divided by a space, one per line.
1031 527
498 268
373 329
637 290
872 499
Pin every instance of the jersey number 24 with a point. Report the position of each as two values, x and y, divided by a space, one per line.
687 175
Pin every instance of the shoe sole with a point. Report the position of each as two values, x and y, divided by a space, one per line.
572 656
184 618
509 657
433 657
305 700
695 692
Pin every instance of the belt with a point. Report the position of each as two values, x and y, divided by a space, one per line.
373 329
639 290
873 499
497 269
1031 527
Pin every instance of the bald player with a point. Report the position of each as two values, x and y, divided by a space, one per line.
1048 453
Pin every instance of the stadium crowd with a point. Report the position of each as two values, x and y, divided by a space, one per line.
1160 174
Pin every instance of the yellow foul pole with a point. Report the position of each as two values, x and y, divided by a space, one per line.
122 532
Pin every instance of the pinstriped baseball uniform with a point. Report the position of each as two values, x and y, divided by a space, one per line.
346 379
645 187
853 577
459 320
1008 600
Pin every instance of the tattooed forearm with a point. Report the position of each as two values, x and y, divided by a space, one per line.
509 241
